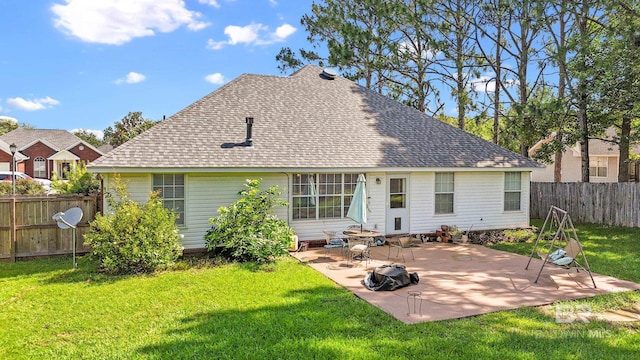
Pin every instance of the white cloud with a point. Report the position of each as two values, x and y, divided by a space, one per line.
8 118
426 53
284 31
216 78
487 83
116 22
213 3
253 34
273 2
32 105
131 78
98 133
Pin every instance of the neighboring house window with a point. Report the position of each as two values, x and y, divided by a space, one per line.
40 167
598 166
512 191
171 188
444 193
322 196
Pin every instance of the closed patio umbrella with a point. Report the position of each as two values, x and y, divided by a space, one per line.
358 207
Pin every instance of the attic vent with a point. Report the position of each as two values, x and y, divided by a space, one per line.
249 140
329 74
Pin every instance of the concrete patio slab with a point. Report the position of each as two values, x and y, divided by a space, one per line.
462 280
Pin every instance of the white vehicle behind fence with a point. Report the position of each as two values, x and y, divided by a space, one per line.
6 176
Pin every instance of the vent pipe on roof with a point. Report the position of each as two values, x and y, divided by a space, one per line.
329 74
249 122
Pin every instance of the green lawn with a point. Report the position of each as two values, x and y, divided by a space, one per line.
285 311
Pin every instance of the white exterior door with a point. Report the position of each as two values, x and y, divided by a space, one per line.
397 204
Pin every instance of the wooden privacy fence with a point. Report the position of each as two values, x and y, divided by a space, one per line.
36 233
615 204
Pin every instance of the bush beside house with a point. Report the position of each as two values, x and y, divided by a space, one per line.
135 238
248 230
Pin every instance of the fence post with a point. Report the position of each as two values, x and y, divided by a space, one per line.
14 239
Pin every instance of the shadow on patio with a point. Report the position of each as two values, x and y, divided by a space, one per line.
462 280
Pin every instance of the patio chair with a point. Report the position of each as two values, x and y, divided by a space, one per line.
361 250
334 241
400 243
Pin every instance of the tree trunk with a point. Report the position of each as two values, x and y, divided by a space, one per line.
584 133
557 167
496 94
623 163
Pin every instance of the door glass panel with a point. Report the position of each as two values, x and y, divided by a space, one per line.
397 195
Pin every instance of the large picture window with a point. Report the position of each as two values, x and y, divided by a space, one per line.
171 188
444 193
40 168
322 196
512 191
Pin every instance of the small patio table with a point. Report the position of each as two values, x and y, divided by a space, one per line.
366 237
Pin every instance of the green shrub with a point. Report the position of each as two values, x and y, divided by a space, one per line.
78 181
247 230
135 238
23 187
520 235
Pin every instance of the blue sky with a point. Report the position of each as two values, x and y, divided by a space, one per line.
70 64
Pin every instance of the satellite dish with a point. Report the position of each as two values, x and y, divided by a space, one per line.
68 220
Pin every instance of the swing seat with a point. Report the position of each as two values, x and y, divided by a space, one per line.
565 257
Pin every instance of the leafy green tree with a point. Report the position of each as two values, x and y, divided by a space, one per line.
78 181
89 137
588 17
616 79
453 25
356 36
127 128
8 124
135 238
248 230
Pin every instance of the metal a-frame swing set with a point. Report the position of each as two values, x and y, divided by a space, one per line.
559 222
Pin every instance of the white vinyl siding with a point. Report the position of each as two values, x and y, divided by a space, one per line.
479 198
512 191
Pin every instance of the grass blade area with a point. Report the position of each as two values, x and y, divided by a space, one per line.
286 311
610 250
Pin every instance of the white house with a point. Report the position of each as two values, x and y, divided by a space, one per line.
604 157
311 134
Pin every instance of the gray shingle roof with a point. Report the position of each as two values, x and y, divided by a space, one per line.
305 121
599 147
61 139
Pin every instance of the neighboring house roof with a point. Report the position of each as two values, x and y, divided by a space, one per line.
304 121
105 148
5 147
55 139
597 147
605 148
